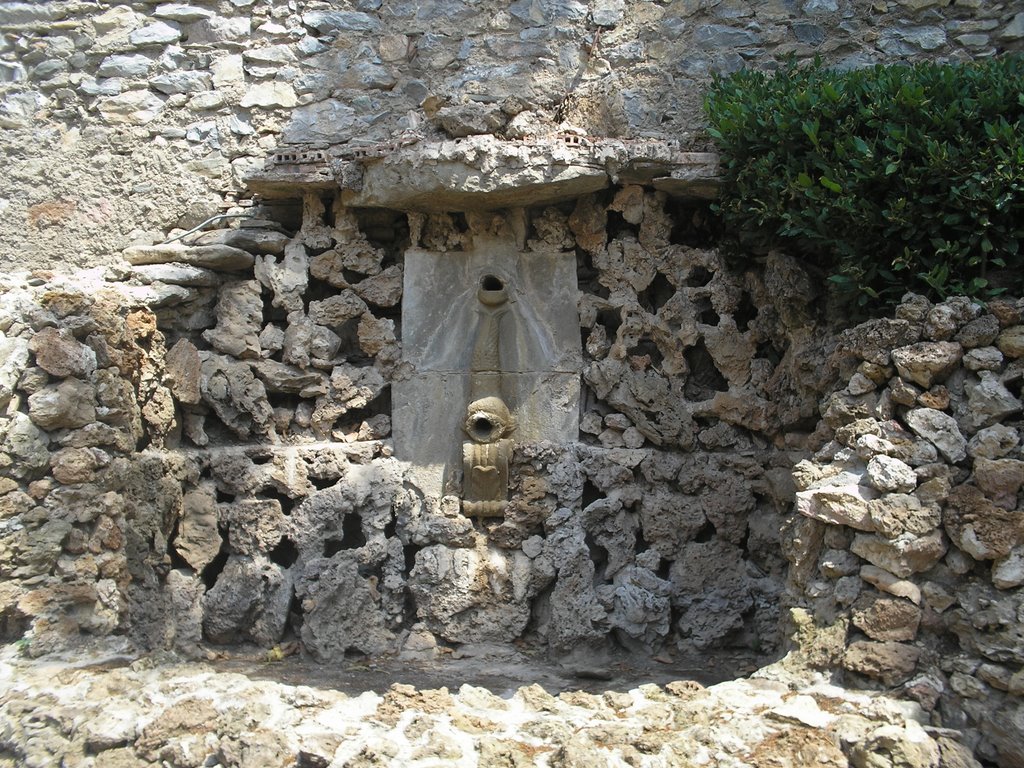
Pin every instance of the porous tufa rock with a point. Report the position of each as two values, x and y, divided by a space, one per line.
902 556
239 320
988 402
889 662
58 353
183 372
941 430
979 527
69 404
889 474
993 442
1008 571
887 618
198 540
1011 342
927 363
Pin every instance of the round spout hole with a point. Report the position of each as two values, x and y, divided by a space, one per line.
482 427
491 283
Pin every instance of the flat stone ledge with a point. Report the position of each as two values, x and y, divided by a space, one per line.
485 172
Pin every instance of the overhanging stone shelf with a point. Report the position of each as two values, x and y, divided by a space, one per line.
486 173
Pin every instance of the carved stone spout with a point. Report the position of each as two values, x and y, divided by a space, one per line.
488 420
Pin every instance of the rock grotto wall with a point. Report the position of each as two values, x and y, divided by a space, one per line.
120 121
205 452
910 525
197 438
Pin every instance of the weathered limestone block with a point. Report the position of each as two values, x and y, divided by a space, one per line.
927 363
905 555
286 280
669 520
427 521
886 582
889 474
1008 312
217 257
335 310
889 662
351 387
183 372
986 622
943 320
993 442
731 350
14 358
625 262
838 505
239 320
376 335
198 540
461 120
83 503
381 290
330 266
907 745
27 445
941 430
588 224
898 513
248 237
840 408
656 405
249 602
837 563
255 526
67 405
237 397
58 353
1011 342
711 591
979 332
159 415
874 340
298 338
979 527
614 529
14 503
117 403
1008 572
34 550
988 402
1000 479
641 610
983 359
271 339
887 618
342 609
475 595
77 465
279 377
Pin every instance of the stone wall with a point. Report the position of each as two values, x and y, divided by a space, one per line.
204 453
120 121
911 523
196 438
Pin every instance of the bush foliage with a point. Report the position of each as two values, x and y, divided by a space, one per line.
889 179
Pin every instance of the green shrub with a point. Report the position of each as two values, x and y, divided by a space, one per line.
889 179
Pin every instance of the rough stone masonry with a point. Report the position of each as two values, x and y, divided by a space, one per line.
247 434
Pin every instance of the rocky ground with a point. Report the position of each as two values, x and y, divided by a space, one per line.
491 706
